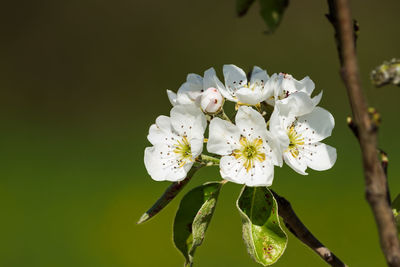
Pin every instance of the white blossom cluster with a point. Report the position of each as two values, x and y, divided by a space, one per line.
258 140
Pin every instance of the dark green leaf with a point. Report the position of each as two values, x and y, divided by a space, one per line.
264 238
193 217
242 6
272 12
170 193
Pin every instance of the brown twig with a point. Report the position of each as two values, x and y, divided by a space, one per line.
385 164
294 224
375 117
375 179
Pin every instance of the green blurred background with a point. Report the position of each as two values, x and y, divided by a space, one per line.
81 82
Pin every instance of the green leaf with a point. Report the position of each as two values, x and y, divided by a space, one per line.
193 217
272 12
264 238
396 212
242 6
169 194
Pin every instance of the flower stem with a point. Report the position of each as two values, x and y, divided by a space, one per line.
209 160
223 115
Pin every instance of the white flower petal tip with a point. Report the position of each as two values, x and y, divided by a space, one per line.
248 155
177 142
291 95
192 90
316 99
172 97
304 134
211 101
238 89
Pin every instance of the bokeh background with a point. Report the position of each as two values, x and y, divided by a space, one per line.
81 82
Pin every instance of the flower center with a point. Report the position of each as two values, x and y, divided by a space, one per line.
295 140
184 152
250 151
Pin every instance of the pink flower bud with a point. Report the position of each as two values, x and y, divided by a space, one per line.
211 100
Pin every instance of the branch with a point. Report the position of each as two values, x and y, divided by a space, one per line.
375 179
297 228
375 117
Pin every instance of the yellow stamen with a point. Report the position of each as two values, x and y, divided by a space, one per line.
250 151
295 140
182 148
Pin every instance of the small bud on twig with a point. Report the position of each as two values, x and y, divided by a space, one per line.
387 73
375 116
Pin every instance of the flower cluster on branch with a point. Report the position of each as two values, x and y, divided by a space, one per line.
277 121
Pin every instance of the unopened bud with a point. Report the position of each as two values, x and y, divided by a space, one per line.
211 100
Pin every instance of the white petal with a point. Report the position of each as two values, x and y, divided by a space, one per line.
248 96
259 76
316 125
184 97
292 85
172 97
316 99
233 170
298 164
234 78
161 130
189 92
196 146
188 120
250 122
261 175
162 165
194 79
278 131
287 84
296 104
273 149
305 85
258 80
211 80
319 156
223 137
273 87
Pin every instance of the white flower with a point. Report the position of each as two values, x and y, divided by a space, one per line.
211 101
238 89
293 97
300 137
248 152
191 91
177 141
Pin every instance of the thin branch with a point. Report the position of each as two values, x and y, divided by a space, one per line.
294 224
375 179
382 154
385 164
